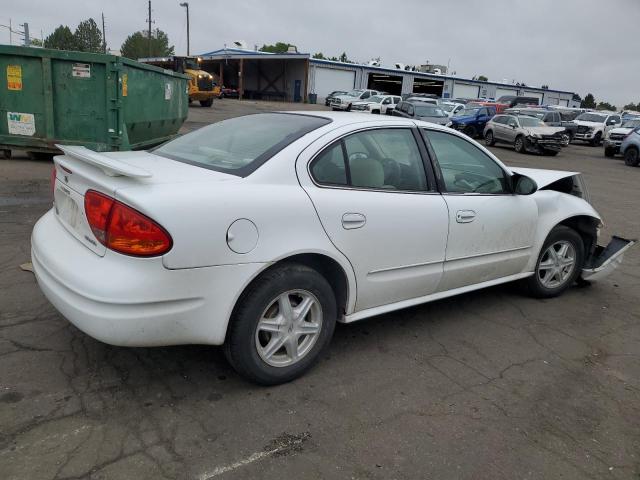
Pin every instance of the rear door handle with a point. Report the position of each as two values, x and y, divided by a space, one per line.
465 216
351 221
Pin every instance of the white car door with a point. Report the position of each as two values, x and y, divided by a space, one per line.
376 198
491 230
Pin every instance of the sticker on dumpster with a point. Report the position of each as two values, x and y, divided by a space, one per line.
124 85
21 123
167 91
81 70
14 77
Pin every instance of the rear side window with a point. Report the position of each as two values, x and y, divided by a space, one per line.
381 159
238 146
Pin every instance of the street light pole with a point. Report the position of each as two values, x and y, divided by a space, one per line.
186 5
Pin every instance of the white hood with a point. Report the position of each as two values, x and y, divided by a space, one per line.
622 130
543 177
588 124
544 130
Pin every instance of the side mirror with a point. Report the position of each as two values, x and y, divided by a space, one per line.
523 185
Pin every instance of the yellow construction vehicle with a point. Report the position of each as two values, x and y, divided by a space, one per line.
203 86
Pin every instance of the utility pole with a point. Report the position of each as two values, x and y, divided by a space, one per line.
149 20
104 36
27 38
186 5
10 33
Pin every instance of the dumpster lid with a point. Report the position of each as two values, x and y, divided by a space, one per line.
108 165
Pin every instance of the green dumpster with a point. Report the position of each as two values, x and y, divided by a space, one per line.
103 102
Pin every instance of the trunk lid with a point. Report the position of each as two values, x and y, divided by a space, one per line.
80 169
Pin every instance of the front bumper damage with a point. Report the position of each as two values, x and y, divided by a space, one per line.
605 260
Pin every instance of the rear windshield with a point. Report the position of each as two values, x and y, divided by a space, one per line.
240 145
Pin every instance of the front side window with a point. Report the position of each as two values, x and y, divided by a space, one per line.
240 145
384 159
465 168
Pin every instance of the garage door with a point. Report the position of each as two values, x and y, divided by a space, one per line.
537 95
463 90
329 79
501 92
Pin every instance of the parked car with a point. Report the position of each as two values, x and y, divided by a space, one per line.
552 118
260 232
432 101
228 92
614 137
330 97
499 107
422 111
591 126
378 104
512 100
451 108
344 102
526 134
630 148
472 120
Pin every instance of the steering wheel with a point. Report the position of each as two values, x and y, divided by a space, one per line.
483 184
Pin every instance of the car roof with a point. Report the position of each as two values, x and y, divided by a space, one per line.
340 119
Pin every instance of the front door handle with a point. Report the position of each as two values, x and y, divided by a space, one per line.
465 216
351 221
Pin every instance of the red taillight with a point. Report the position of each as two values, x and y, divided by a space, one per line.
123 229
97 208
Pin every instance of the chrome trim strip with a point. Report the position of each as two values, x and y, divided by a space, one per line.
390 269
486 254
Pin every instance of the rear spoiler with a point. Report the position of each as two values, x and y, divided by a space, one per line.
108 165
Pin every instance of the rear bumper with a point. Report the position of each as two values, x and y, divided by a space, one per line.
130 301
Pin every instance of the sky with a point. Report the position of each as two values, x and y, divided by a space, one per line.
562 43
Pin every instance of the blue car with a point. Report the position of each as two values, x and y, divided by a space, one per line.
630 148
472 120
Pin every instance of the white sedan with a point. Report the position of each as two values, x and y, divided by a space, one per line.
260 232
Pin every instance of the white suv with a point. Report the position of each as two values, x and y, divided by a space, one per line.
592 126
344 102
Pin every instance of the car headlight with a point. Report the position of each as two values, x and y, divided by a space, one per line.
448 124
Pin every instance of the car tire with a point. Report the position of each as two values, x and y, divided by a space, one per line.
596 140
551 277
6 153
518 145
609 152
470 131
631 157
349 108
375 112
489 140
334 109
244 347
206 103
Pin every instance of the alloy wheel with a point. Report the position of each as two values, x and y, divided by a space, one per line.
288 328
557 264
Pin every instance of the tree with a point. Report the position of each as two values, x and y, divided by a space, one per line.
36 42
88 36
61 39
138 45
319 56
482 78
630 106
279 47
606 106
588 102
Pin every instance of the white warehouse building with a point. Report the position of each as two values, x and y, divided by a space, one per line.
293 76
326 76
